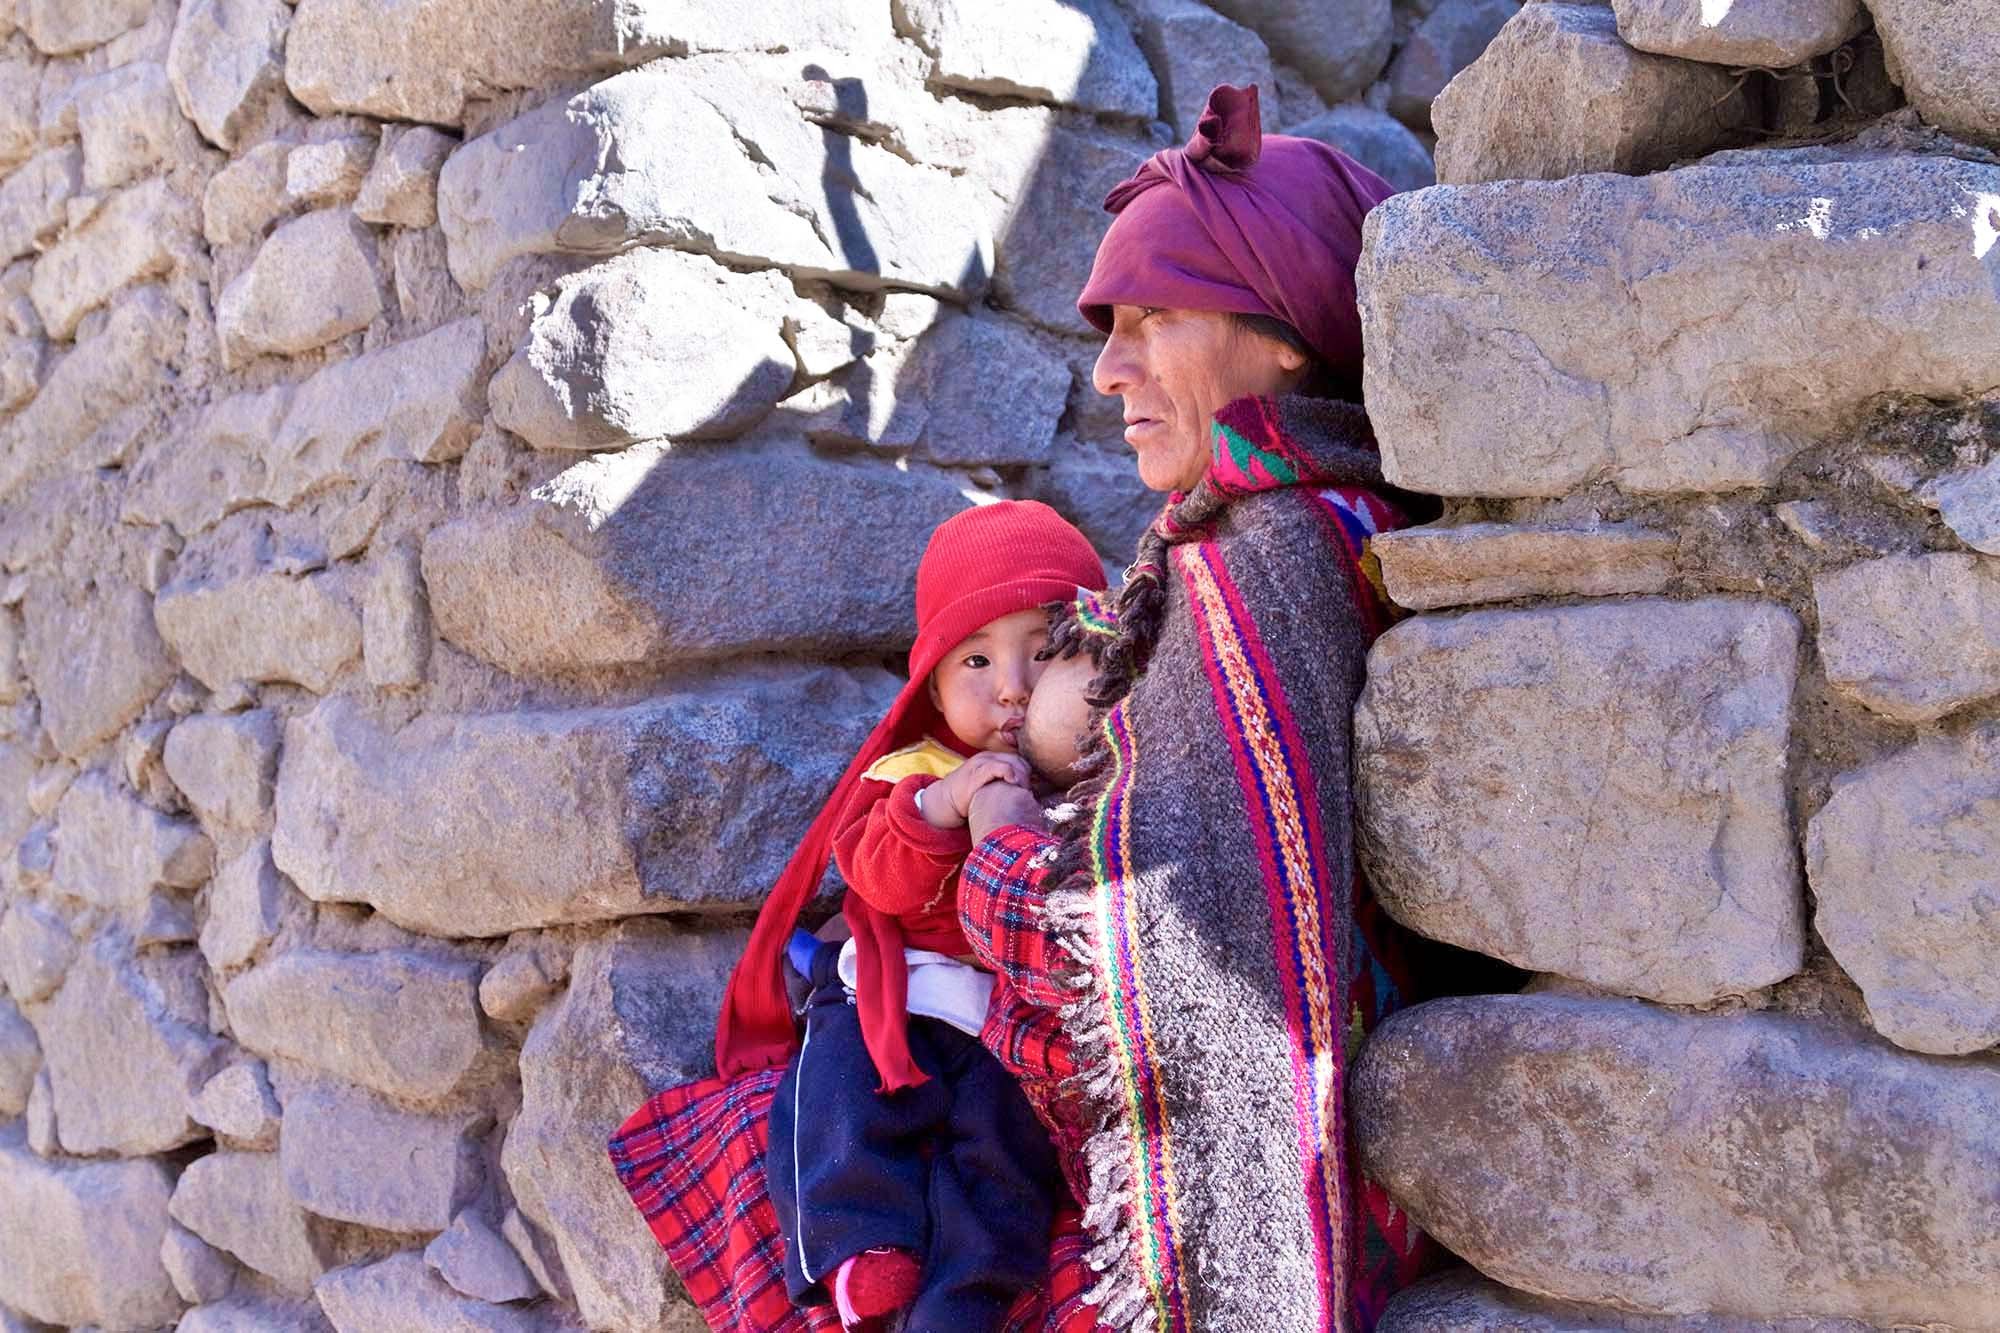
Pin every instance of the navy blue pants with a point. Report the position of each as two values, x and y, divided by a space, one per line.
958 1170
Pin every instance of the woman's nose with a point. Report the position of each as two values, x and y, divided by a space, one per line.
1116 370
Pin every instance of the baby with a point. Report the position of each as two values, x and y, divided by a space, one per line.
907 1170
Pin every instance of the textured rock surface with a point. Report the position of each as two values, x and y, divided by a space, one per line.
1046 252
83 1239
265 626
575 577
1912 637
1451 37
1747 1158
1340 45
113 850
1461 1301
1543 335
476 1261
1192 48
226 766
126 121
238 1103
94 657
1642 844
1425 568
639 1016
400 1292
226 59
1773 33
351 1156
1943 56
128 239
1904 861
199 1271
1558 94
404 1023
313 281
20 1059
237 1201
1375 139
401 186
35 951
1078 54
247 903
1969 503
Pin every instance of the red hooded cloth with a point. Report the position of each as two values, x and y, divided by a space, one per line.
1244 222
987 562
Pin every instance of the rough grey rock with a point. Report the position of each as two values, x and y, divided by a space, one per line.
108 371
592 571
1776 34
238 1102
1765 1165
1452 36
401 187
125 1042
226 765
35 951
1051 238
1461 1301
1914 637
555 816
20 1059
1513 313
1943 56
351 1156
83 1239
649 345
1904 861
1102 495
65 27
513 989
969 391
20 88
113 850
401 1292
329 173
226 59
1340 45
396 620
40 1120
255 1316
94 658
1558 94
312 281
478 1262
245 196
1192 48
1425 568
709 155
199 1271
1076 53
127 122
130 238
538 1254
404 1023
1642 842
638 1017
34 199
1375 139
263 626
1969 503
246 907
237 1201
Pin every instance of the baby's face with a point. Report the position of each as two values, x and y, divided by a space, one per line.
1057 718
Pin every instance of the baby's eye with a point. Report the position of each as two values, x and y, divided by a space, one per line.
976 660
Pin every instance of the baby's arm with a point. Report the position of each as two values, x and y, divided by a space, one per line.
898 861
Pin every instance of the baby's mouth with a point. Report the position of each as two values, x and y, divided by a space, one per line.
1010 731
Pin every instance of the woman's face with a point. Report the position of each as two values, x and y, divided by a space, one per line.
1175 369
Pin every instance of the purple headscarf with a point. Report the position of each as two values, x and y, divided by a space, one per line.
1247 223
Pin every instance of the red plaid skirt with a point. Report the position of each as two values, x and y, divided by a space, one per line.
693 1160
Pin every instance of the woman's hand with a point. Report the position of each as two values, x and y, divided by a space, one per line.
1000 805
947 801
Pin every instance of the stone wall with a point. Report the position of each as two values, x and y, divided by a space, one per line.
1701 722
462 469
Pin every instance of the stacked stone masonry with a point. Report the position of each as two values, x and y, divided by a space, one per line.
460 486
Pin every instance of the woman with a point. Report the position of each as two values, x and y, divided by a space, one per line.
1188 961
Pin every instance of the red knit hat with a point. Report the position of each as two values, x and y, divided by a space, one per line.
984 563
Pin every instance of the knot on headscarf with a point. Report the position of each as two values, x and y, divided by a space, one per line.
1242 222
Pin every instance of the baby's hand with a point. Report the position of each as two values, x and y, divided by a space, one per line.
946 801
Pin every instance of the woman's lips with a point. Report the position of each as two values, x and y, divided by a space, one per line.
1138 427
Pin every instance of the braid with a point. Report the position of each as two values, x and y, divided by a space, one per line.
1142 602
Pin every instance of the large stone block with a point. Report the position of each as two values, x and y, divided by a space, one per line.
113 850
34 199
263 626
485 825
476 1260
1451 37
1375 139
400 189
1077 53
593 569
1461 1301
402 1293
1913 637
312 281
1755 1166
247 907
36 949
638 1017
65 27
245 196
1776 34
1558 94
83 1239
226 59
127 121
1192 48
130 238
1905 865
126 360
652 344
1944 56
94 657
237 1201
1596 791
126 1041
403 1023
226 764
1530 339
1429 567
1051 236
1340 45
353 1157
708 154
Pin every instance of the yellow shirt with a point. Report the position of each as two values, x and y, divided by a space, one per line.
926 758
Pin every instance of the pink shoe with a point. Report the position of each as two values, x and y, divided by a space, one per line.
873 1284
